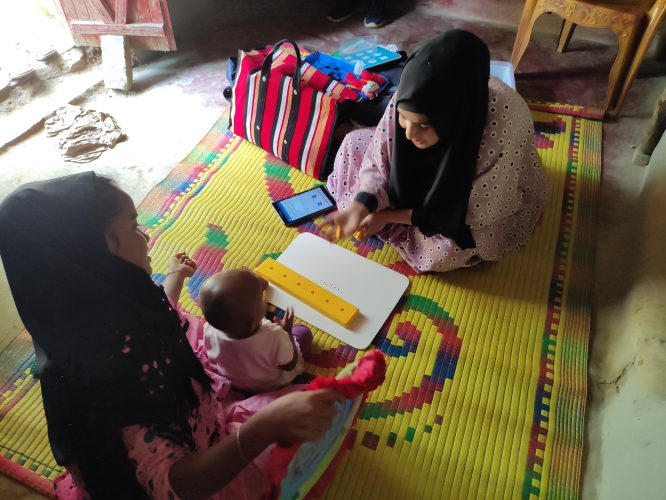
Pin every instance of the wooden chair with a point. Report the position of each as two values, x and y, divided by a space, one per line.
633 21
655 16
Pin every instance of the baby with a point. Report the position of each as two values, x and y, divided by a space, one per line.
256 355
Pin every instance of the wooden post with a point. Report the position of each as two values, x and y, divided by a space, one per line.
116 62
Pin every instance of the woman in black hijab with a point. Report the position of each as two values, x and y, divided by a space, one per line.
113 353
450 175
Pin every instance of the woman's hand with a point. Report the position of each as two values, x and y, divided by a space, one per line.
290 419
345 222
298 416
372 224
287 322
181 263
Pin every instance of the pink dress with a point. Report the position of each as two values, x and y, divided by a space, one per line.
252 364
508 194
219 414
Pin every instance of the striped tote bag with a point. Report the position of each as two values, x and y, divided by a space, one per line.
274 107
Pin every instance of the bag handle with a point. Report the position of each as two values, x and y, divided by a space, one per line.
268 62
295 98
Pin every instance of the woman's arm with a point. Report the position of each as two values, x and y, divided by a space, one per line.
294 418
374 223
373 180
403 216
376 166
201 474
346 221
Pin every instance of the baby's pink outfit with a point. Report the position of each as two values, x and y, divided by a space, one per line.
253 363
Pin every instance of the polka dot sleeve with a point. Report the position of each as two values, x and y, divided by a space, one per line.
376 166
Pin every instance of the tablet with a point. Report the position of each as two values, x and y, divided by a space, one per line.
371 58
302 206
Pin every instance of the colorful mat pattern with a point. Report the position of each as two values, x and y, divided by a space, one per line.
487 367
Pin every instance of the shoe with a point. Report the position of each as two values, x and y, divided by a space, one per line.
375 16
341 10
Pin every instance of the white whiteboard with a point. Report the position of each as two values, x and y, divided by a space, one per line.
371 287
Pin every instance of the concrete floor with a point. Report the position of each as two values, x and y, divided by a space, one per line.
177 97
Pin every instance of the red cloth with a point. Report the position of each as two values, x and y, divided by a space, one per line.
369 374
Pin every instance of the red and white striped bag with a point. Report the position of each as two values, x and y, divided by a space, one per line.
285 107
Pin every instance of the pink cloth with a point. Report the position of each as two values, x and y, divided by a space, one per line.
508 194
253 364
219 414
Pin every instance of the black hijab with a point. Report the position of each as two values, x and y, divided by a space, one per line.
447 80
111 350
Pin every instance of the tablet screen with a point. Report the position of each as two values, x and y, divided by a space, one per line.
304 204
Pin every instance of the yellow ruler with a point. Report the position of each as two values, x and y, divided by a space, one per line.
306 291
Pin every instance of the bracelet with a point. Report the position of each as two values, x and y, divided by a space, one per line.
172 272
238 445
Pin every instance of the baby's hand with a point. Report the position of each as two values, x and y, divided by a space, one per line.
181 263
287 322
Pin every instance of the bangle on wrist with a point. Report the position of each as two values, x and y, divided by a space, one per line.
240 448
172 272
